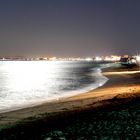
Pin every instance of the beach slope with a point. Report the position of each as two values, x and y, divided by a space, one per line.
123 86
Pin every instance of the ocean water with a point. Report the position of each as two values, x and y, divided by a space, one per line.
27 83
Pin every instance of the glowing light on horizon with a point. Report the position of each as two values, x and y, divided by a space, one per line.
112 58
89 59
53 58
97 58
138 58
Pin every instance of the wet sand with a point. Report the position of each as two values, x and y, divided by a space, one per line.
121 88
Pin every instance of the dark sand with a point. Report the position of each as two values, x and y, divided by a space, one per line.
122 88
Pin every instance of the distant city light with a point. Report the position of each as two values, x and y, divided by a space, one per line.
97 58
112 58
138 58
53 58
89 59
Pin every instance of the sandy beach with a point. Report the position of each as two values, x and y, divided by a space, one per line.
123 86
123 83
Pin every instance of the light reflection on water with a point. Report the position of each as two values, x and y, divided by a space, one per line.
24 82
28 76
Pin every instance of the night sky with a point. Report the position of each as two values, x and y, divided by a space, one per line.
66 28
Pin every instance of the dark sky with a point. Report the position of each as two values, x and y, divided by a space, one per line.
69 27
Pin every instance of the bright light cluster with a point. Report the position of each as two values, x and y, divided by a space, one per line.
89 59
112 58
97 58
138 58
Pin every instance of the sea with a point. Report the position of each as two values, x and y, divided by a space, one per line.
29 83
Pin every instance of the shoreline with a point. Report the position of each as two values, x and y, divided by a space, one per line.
100 80
114 92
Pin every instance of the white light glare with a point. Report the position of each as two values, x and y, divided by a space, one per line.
98 58
138 58
88 59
